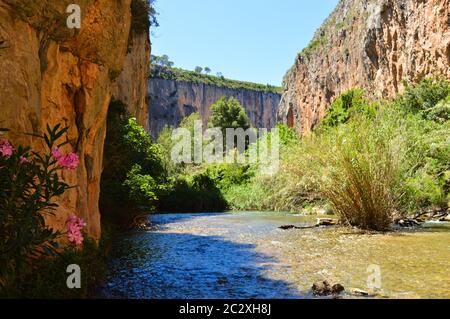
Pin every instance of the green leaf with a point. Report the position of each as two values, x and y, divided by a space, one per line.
35 135
64 143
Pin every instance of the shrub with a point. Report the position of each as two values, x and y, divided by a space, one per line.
361 176
439 113
423 97
288 136
427 180
248 196
29 183
128 144
347 105
166 144
48 278
170 73
142 189
227 175
192 193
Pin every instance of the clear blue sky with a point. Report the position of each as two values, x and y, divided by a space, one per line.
249 40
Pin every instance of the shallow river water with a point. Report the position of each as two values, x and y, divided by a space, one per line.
246 255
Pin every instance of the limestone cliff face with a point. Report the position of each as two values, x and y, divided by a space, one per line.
373 44
131 86
51 74
171 101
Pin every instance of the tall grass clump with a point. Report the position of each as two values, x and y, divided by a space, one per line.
387 159
359 172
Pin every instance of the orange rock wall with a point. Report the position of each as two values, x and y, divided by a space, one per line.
373 44
50 74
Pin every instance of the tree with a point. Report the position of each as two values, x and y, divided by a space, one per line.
207 70
228 114
162 60
198 69
219 74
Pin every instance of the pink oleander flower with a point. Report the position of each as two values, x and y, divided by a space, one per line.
6 148
56 153
69 161
23 160
74 227
75 237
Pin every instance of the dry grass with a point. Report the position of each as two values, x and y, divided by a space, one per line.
356 168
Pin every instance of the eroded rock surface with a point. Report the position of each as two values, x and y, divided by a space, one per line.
373 44
51 74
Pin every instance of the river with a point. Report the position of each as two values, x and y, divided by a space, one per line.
246 255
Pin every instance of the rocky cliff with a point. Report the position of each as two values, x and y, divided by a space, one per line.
131 86
173 100
52 74
374 44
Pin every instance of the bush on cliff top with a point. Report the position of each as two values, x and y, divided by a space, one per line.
177 74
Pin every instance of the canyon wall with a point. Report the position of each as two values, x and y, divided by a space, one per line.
51 74
375 45
131 85
172 100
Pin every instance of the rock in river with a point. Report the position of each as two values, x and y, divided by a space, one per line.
407 222
325 288
326 222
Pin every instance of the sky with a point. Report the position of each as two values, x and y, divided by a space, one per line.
248 40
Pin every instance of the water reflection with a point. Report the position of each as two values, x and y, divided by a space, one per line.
246 255
168 265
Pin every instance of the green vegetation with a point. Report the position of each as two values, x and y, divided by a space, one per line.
140 176
48 277
313 45
162 61
192 192
133 168
167 72
347 106
228 114
29 185
32 265
369 161
430 99
198 69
